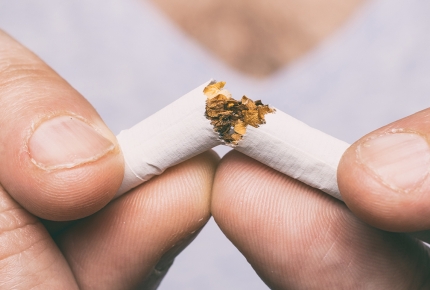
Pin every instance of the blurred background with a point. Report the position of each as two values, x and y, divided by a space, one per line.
345 67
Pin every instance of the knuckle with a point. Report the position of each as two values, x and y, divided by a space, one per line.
18 76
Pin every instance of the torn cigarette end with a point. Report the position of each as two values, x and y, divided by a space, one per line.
230 117
208 116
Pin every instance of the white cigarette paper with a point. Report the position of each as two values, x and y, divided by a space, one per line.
174 134
181 131
297 150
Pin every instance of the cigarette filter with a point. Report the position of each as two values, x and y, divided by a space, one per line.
209 116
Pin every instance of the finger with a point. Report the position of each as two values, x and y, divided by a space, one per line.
29 258
296 237
384 177
129 240
153 280
58 159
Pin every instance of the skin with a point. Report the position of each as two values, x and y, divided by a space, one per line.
380 202
130 242
294 236
258 37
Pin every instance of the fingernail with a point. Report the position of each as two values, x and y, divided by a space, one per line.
65 142
399 160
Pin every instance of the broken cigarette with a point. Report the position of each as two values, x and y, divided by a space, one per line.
208 116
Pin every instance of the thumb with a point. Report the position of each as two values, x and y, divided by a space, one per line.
58 159
384 176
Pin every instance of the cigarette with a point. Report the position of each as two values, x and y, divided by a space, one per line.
208 116
172 135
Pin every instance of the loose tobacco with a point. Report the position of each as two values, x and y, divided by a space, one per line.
230 117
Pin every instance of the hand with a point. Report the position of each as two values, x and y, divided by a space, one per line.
60 162
297 237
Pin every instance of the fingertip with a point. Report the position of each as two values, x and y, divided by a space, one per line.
211 159
127 239
383 179
226 174
62 194
59 172
242 188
